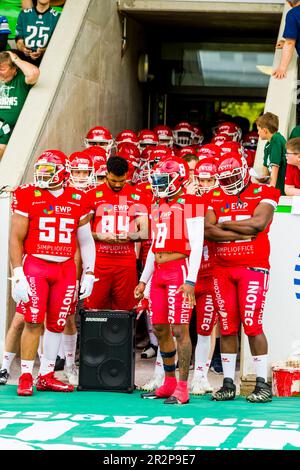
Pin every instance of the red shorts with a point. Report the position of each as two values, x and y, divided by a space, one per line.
205 308
167 306
52 286
240 295
115 288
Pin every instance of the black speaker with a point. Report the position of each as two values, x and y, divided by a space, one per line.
107 358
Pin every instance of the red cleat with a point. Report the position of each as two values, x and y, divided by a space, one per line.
25 388
180 396
49 383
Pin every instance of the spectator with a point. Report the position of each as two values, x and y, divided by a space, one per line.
4 33
292 177
291 39
34 29
16 79
30 3
274 154
295 132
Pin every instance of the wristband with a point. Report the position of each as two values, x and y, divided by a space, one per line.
190 283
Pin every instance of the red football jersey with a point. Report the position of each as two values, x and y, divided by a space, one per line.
115 212
292 176
53 221
168 223
255 251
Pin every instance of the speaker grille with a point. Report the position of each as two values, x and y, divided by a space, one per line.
113 373
115 331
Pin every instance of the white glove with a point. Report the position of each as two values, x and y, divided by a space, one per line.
20 290
86 286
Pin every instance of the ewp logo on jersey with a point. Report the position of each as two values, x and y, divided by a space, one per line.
226 208
49 211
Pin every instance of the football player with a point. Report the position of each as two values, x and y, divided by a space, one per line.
47 218
238 220
177 226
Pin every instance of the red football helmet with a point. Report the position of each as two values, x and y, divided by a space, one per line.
50 169
232 173
198 135
95 151
126 136
205 176
209 151
250 140
149 157
132 155
250 154
80 162
99 136
183 134
220 139
165 135
231 129
231 147
168 177
147 137
188 150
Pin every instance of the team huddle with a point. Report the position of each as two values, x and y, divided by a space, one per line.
200 232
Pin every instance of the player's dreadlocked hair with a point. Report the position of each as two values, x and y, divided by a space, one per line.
117 165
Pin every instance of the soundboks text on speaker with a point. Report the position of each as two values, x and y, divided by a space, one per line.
96 319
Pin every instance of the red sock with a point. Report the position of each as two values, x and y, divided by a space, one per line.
167 388
181 392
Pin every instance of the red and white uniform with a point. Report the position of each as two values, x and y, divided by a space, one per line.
204 289
170 235
49 250
241 273
115 213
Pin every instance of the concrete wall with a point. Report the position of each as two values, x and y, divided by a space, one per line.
98 88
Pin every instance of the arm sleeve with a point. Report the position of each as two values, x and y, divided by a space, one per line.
87 247
276 154
149 267
195 228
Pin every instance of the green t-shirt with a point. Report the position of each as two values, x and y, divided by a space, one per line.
36 28
274 154
12 97
295 132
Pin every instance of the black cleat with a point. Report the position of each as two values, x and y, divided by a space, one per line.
226 392
4 376
150 395
262 392
59 363
174 401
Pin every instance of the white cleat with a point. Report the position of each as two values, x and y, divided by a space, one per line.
155 382
71 374
200 386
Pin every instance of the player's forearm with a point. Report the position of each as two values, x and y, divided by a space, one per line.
217 234
243 227
15 252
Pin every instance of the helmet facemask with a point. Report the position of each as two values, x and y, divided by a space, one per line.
232 182
163 184
48 175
